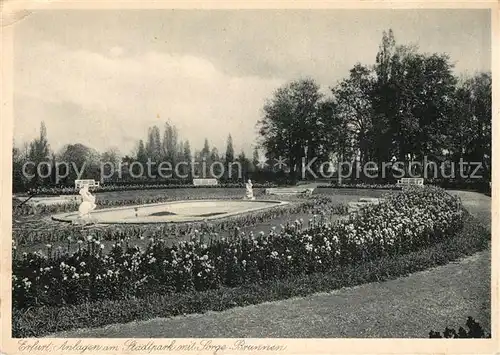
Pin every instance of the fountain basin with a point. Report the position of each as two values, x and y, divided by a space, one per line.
172 212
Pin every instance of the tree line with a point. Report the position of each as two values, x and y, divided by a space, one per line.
406 106
169 147
88 163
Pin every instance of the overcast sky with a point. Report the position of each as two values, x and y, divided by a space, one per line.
101 78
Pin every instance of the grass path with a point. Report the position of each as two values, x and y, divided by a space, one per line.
477 204
405 307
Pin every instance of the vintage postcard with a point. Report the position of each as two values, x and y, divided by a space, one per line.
249 177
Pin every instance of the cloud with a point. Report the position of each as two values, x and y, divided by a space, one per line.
110 99
116 51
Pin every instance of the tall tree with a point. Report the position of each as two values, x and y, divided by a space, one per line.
214 154
170 143
384 96
205 152
291 124
154 145
111 159
214 157
229 158
384 57
180 151
142 154
165 141
187 152
469 129
39 151
187 158
338 134
229 149
353 105
84 159
411 101
245 165
255 158
112 155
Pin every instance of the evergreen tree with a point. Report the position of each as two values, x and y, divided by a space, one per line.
205 152
187 158
214 158
154 145
229 158
142 154
229 149
245 165
170 143
39 151
255 158
187 152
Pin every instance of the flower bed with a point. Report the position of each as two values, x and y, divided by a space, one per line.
407 221
39 321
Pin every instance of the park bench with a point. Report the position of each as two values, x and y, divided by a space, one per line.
410 181
88 182
289 191
205 182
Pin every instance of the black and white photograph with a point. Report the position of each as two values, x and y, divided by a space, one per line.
281 173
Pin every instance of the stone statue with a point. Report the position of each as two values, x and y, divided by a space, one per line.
249 192
88 202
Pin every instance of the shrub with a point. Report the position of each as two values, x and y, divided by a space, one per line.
474 331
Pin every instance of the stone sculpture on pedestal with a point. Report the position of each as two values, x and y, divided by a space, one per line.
249 192
88 202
